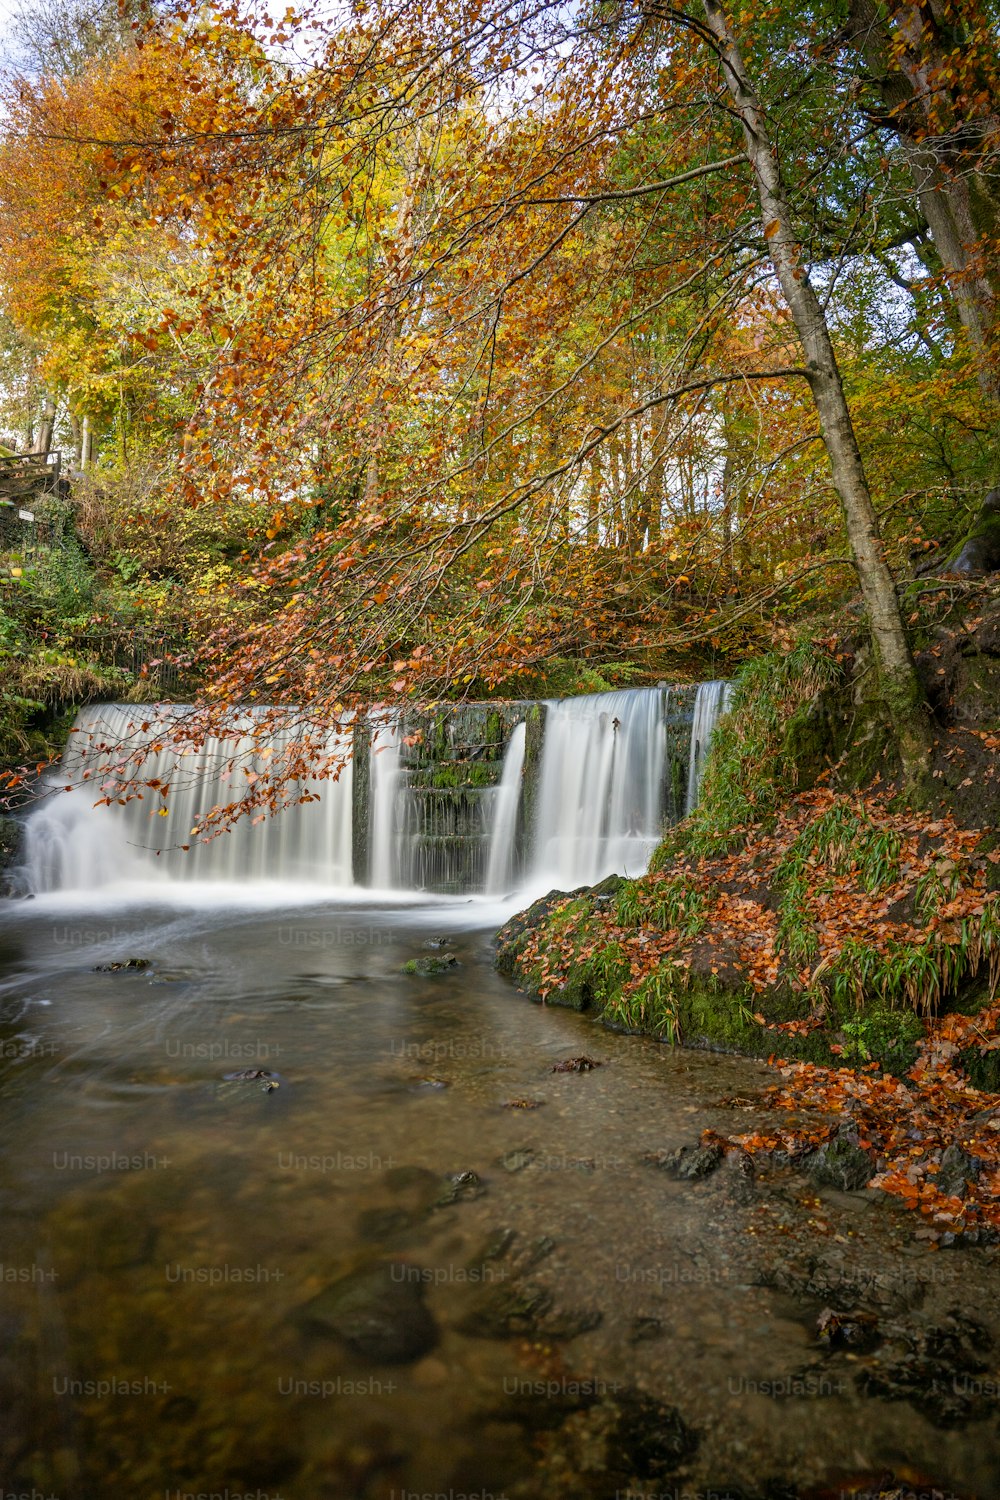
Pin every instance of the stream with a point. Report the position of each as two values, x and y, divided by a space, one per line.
411 1259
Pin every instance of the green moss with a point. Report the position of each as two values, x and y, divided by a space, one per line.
981 1068
749 768
890 1037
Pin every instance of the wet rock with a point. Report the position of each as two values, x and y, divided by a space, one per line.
378 1312
516 1307
956 1173
576 1065
496 1247
648 1439
687 1163
741 1178
507 1311
569 1323
980 552
458 1187
516 933
428 965
537 1251
641 1330
522 1103
841 1164
247 1083
437 942
123 965
516 1161
847 1330
939 1370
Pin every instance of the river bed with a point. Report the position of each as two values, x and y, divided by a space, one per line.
411 1258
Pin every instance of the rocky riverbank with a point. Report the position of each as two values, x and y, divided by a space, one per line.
803 915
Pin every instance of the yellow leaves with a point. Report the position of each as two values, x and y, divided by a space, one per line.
771 229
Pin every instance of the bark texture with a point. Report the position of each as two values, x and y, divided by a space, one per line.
901 683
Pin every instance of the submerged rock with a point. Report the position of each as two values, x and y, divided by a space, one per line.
939 1370
428 964
641 1330
517 1160
847 1330
648 1439
378 1312
576 1065
248 1081
687 1163
458 1187
508 1310
122 965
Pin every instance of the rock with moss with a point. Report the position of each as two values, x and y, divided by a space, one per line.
842 1164
980 552
428 964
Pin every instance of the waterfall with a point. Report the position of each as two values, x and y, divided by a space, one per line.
460 799
711 702
71 843
506 807
385 780
600 790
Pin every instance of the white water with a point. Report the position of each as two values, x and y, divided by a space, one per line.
600 795
71 843
386 779
710 704
598 804
503 830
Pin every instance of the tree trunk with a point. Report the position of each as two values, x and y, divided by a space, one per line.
594 501
46 425
903 692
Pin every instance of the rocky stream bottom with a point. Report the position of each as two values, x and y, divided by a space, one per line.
279 1218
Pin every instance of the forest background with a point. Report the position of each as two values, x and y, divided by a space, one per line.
404 351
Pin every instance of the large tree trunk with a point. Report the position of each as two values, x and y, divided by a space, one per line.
901 685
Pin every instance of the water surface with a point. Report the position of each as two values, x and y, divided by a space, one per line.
166 1231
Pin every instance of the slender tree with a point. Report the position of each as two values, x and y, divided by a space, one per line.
901 684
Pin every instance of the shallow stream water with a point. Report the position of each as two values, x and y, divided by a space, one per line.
414 1259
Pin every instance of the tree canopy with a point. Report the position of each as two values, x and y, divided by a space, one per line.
432 350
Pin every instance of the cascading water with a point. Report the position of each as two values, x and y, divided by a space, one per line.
442 812
73 844
385 780
600 790
711 702
506 807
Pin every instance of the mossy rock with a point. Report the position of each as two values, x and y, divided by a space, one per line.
429 964
812 740
980 551
842 1164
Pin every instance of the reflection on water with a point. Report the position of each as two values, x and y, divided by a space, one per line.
404 1255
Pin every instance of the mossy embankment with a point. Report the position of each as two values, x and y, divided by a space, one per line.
802 913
